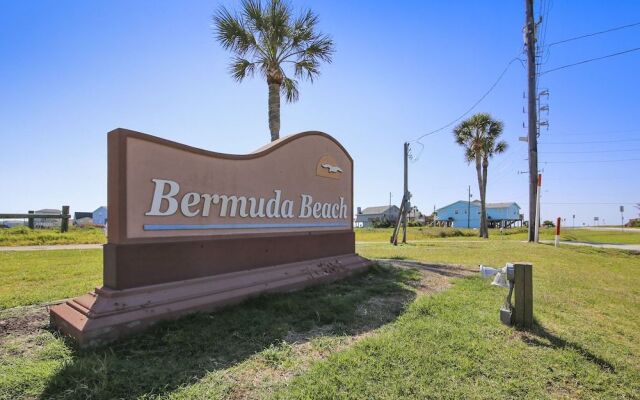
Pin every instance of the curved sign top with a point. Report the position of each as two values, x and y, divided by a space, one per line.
159 189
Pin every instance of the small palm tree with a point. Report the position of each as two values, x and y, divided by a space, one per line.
266 38
479 136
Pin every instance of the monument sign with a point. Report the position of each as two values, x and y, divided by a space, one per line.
192 230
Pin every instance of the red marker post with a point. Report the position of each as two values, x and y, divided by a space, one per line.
558 232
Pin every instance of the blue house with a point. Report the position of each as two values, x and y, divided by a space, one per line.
100 216
463 214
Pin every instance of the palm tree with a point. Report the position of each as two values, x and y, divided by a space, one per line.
266 38
479 136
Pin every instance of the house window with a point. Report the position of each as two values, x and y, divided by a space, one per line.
456 211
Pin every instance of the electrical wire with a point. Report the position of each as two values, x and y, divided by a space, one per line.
588 152
595 141
589 161
589 60
493 86
591 203
597 133
594 34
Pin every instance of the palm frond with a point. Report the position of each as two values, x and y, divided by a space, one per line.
265 37
231 32
289 89
240 68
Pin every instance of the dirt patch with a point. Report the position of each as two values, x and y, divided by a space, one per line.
23 321
259 379
435 277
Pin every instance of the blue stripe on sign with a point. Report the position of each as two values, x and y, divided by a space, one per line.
187 227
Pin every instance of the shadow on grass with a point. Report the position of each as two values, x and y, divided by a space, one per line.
179 353
541 337
447 270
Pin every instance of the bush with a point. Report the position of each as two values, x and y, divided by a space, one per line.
382 224
19 230
548 224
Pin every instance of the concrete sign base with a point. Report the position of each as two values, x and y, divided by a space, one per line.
107 314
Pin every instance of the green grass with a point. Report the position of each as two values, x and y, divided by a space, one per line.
32 277
569 234
372 336
23 236
205 355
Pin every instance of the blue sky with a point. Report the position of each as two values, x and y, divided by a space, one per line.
73 70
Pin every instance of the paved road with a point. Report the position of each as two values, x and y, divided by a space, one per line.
52 247
630 247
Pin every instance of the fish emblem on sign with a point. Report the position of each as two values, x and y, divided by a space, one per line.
328 167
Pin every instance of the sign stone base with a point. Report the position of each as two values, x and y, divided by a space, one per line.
107 314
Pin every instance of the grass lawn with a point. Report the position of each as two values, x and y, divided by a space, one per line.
23 236
382 334
628 236
32 277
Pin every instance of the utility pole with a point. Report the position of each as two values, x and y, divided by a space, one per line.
469 209
389 201
406 192
404 205
538 191
533 118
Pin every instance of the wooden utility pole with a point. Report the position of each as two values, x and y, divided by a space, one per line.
533 118
404 204
406 192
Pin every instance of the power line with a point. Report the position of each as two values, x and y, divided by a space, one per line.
474 104
590 161
596 141
593 203
596 133
589 60
594 34
590 151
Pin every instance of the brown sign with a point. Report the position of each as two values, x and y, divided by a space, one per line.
191 229
165 189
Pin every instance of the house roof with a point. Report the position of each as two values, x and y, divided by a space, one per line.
376 210
81 214
459 201
48 211
477 203
502 205
105 207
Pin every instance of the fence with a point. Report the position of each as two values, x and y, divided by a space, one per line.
31 216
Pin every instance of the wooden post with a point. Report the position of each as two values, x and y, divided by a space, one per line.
406 193
523 309
31 223
64 225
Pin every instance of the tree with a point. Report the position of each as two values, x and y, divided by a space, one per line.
478 135
266 38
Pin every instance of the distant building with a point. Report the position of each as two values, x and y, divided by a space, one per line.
367 217
47 222
463 214
100 216
80 215
414 215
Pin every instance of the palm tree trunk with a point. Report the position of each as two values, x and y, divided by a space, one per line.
485 167
480 188
274 110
